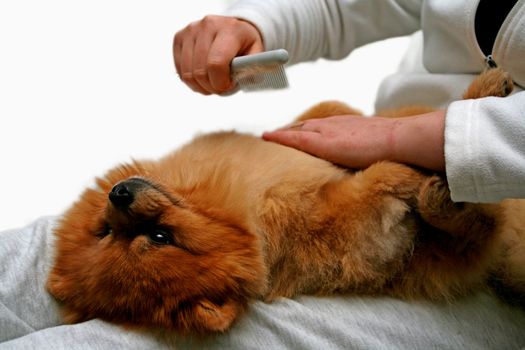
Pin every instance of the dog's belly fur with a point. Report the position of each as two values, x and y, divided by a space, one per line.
324 229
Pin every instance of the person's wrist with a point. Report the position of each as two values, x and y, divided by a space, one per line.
419 140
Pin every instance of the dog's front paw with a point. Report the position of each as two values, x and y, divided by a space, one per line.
492 82
456 218
434 198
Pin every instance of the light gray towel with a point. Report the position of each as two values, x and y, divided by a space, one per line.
30 319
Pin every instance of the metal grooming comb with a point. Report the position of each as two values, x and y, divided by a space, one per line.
261 71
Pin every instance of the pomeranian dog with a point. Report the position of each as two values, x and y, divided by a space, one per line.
188 241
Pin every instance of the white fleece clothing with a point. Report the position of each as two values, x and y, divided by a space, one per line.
484 139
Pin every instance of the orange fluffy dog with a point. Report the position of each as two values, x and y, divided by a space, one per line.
186 242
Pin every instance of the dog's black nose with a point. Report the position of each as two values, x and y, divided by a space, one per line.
120 195
127 191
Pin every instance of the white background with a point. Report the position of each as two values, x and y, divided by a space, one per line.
85 85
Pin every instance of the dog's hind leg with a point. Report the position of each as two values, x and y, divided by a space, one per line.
509 278
456 247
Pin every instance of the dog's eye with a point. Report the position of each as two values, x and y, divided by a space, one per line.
106 230
160 236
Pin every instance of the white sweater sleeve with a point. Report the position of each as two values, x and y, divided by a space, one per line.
310 29
485 148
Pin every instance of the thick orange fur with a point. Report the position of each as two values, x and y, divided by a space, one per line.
249 219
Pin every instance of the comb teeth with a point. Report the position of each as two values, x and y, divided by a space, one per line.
260 71
261 78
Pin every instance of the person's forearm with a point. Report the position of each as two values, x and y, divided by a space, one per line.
419 140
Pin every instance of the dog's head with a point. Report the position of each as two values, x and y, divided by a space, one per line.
136 251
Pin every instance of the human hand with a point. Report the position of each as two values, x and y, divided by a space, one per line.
357 142
204 49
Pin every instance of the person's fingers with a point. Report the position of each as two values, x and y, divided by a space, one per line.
256 47
177 50
183 53
312 125
186 67
293 126
202 49
307 141
224 48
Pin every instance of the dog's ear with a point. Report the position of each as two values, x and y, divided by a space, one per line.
208 316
